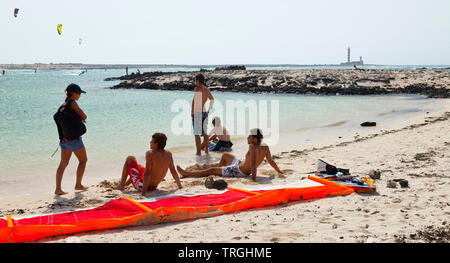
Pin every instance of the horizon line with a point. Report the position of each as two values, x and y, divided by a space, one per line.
199 65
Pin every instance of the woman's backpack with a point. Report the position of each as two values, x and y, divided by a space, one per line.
68 122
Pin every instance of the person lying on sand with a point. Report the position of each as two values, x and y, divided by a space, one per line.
230 166
158 161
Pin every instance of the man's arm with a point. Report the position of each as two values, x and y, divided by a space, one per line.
253 163
271 161
174 173
196 89
211 100
147 173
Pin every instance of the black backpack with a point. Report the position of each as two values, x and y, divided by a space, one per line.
68 122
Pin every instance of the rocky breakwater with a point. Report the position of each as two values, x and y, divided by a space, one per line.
435 84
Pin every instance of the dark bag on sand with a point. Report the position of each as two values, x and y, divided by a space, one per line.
326 168
68 122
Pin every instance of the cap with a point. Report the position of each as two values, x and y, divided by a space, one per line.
74 88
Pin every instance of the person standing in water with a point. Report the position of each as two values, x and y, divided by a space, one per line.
199 114
69 144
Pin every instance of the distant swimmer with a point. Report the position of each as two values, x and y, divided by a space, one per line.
82 72
3 72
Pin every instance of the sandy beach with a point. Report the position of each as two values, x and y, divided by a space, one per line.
363 86
417 152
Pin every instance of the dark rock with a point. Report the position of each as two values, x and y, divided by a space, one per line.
404 183
375 174
368 124
234 67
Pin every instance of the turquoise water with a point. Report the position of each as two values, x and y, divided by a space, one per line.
121 122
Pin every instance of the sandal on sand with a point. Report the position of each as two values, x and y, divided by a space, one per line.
209 182
220 184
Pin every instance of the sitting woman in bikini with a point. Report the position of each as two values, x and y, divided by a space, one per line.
230 166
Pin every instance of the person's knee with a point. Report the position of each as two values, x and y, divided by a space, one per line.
228 156
63 164
83 161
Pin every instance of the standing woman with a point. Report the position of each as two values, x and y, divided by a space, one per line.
70 120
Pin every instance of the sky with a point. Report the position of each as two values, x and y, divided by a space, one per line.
210 32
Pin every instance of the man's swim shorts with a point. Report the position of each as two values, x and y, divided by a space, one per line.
136 173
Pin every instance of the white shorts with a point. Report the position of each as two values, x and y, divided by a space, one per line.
233 169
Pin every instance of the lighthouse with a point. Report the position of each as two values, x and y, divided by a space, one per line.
352 63
348 55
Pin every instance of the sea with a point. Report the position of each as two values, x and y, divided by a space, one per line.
121 122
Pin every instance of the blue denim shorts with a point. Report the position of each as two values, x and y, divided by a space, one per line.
72 146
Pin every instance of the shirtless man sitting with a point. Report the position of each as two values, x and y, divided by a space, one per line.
158 161
230 166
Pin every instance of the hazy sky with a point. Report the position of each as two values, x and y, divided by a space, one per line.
226 32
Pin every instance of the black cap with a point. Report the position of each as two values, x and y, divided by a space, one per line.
74 88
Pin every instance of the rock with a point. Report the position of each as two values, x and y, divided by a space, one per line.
375 174
238 79
404 183
391 184
231 68
368 124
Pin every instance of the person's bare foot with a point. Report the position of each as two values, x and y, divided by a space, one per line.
81 187
198 153
60 192
181 171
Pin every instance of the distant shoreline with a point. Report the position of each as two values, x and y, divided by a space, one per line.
65 66
434 84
